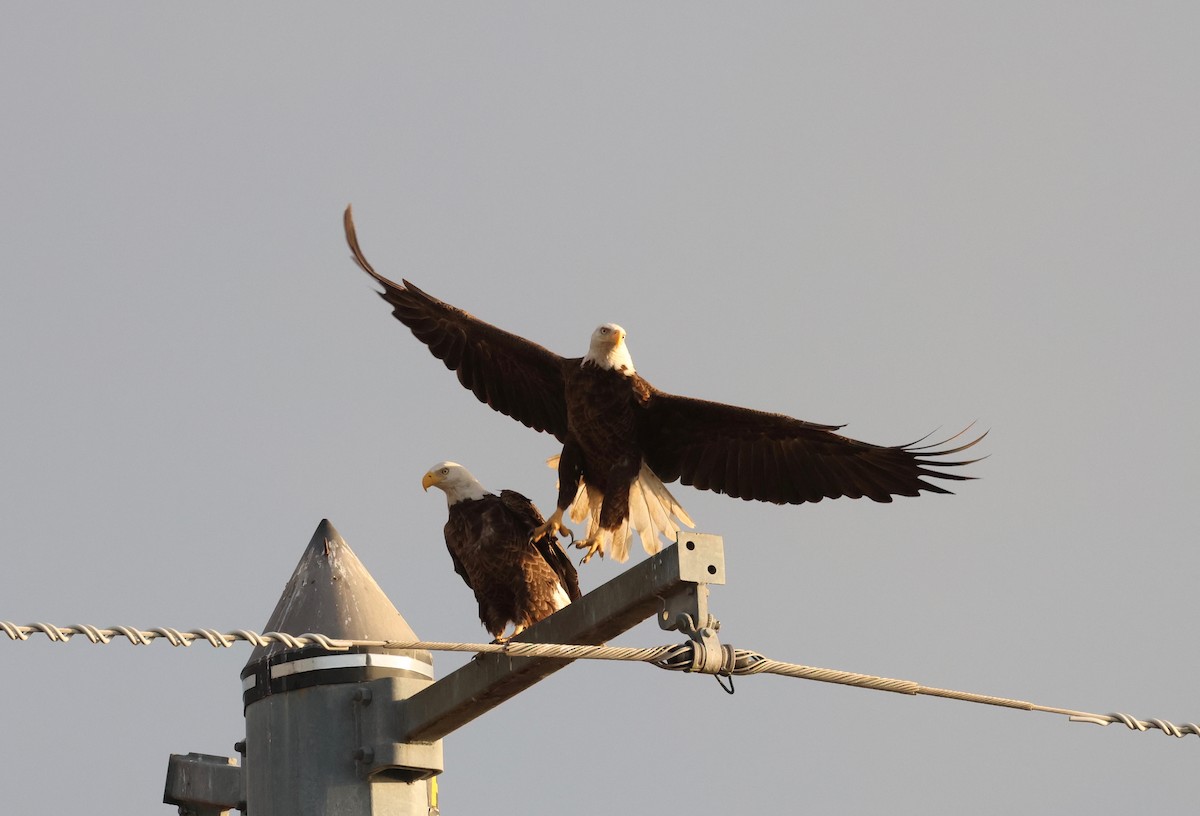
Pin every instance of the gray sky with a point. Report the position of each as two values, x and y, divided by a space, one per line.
904 217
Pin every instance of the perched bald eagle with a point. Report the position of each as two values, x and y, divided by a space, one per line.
622 438
519 577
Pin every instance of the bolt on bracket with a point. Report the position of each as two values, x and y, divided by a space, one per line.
701 562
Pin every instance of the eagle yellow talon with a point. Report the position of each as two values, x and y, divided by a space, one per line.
553 526
502 639
593 547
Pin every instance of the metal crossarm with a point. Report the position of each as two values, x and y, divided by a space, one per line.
652 587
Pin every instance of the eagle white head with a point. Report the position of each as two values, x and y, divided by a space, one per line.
455 481
608 349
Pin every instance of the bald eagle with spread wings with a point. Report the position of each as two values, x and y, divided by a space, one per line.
623 439
518 577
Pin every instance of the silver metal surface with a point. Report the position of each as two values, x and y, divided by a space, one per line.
203 785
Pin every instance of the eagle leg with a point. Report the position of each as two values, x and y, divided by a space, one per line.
553 526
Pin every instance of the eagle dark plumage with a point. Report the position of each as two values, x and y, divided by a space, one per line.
518 577
623 439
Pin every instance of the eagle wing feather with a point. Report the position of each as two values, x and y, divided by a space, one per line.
756 455
508 373
546 546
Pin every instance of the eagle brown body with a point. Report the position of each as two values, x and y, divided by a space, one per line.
517 578
623 439
601 443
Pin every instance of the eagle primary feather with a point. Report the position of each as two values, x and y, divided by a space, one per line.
623 439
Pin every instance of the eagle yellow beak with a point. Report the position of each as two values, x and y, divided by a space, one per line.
428 481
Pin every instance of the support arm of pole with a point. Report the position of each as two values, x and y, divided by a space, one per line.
656 586
204 785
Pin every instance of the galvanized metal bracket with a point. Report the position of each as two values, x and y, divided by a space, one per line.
701 562
379 754
685 610
204 785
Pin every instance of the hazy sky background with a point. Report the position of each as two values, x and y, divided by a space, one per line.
904 217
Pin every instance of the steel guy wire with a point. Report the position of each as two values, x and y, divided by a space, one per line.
676 657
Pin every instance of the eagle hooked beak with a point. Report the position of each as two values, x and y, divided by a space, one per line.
428 481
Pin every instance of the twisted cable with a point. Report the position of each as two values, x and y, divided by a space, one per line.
684 657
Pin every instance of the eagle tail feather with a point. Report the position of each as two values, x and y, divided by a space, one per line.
560 597
653 512
584 504
664 500
646 517
618 543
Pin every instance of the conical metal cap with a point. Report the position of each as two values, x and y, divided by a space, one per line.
331 593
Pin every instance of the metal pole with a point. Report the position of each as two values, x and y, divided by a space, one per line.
357 732
320 730
317 735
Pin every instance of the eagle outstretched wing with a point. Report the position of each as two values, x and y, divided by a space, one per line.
508 373
755 455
